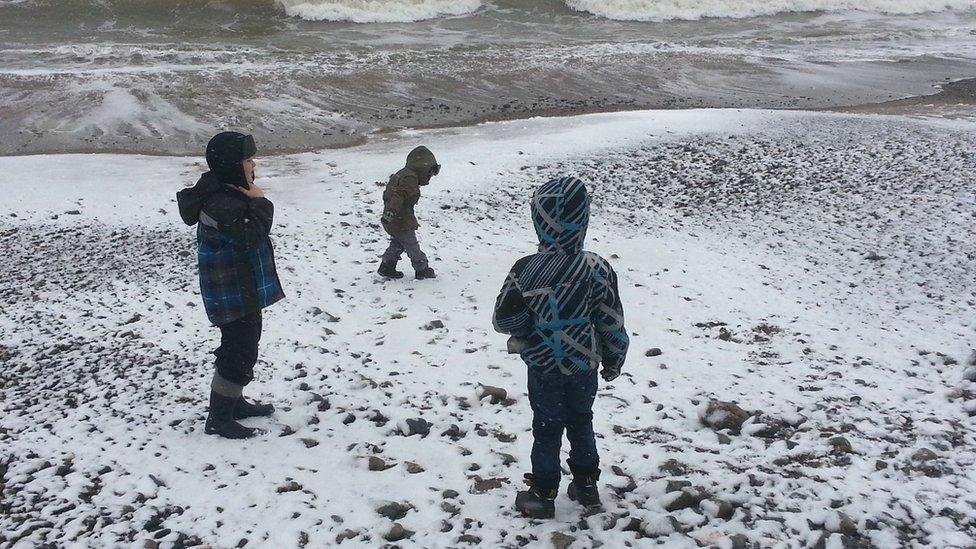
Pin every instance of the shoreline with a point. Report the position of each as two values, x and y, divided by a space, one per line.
958 93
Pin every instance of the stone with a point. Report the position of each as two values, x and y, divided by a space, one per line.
687 498
739 541
449 494
721 415
376 463
414 426
398 533
676 486
453 432
653 352
309 442
484 485
394 510
725 510
434 325
880 465
496 394
414 468
290 486
970 374
840 445
561 540
923 455
347 534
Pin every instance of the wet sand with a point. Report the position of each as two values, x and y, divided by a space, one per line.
305 110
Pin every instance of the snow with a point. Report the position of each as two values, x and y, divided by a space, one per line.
741 239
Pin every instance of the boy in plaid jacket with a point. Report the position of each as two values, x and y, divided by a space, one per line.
237 273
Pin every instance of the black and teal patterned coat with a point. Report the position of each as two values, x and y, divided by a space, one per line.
237 267
561 305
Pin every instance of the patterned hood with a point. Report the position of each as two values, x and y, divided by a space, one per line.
561 213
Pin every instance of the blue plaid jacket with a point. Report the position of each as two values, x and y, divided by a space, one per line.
561 305
234 252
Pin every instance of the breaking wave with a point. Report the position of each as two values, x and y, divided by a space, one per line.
663 10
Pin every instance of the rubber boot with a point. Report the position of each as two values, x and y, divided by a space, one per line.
583 489
244 409
536 502
220 420
426 272
388 270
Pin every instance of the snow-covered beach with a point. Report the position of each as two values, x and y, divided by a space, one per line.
815 269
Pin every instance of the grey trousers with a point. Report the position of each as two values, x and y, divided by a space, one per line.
405 242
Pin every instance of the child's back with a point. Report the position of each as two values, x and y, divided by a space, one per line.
562 308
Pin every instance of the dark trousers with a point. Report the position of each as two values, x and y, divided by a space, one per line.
561 401
238 351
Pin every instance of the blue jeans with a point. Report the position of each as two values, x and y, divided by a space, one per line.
561 401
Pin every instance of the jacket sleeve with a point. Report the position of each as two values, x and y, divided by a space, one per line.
609 321
512 315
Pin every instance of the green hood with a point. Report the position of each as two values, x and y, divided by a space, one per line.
420 161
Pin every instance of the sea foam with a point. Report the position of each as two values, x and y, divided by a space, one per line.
377 11
663 10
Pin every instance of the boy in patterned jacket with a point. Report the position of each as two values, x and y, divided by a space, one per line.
562 308
238 277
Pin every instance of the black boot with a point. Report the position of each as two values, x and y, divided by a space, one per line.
536 502
388 270
244 409
426 272
221 422
583 489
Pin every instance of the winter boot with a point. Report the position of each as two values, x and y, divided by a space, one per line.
426 272
221 422
583 489
388 270
536 502
244 409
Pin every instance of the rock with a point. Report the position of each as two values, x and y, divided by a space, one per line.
450 508
434 325
414 468
290 486
497 394
873 256
449 494
970 374
840 523
394 510
453 432
376 463
350 418
469 539
840 445
723 415
309 442
739 541
676 486
923 455
414 426
484 485
687 498
653 352
347 534
561 540
880 465
674 468
398 533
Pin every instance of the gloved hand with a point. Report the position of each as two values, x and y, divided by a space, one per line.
388 216
610 374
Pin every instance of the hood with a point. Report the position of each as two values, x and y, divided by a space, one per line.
561 214
190 201
225 153
420 161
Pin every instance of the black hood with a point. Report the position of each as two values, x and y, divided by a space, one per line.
191 200
225 153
